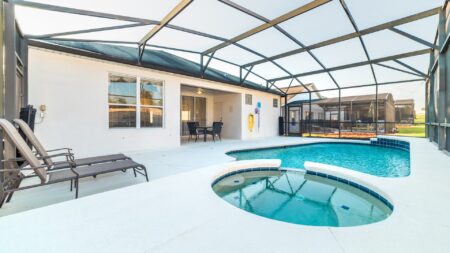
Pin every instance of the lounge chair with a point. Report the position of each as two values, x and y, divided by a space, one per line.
216 130
26 130
34 168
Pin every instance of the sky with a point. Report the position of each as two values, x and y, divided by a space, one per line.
210 16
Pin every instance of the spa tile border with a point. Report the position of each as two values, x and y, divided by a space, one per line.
390 143
319 174
355 185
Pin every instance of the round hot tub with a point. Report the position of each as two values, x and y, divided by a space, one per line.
313 199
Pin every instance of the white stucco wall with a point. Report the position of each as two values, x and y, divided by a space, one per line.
268 117
231 115
75 92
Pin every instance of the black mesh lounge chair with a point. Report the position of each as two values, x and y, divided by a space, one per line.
26 130
216 130
193 131
13 174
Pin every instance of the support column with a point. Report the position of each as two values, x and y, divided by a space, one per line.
10 89
309 116
24 57
442 85
286 117
2 87
376 110
339 114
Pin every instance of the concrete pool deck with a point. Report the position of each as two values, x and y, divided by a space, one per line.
180 213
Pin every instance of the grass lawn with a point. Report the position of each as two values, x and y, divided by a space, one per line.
413 130
417 130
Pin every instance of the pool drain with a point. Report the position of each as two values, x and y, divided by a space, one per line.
345 207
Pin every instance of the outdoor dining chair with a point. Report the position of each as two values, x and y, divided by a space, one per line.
193 131
216 131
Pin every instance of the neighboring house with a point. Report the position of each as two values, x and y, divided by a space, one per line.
105 101
361 108
404 111
354 110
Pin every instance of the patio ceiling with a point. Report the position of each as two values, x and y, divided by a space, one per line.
336 44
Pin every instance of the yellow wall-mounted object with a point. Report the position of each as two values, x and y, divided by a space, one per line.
250 122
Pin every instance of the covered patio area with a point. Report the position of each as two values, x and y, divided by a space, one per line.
206 107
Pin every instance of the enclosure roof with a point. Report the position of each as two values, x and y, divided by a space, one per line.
363 98
334 44
155 59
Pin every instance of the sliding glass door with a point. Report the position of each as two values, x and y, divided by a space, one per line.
192 109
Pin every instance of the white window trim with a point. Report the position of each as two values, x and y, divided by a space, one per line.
138 111
138 102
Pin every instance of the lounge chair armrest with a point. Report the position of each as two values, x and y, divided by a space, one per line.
69 150
55 155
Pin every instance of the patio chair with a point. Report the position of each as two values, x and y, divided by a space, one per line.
216 130
26 130
193 131
13 174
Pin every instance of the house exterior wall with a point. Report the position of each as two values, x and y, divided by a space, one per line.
266 123
75 92
231 114
404 113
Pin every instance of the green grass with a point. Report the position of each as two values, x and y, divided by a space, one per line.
413 131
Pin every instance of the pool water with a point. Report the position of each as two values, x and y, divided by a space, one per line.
374 160
299 198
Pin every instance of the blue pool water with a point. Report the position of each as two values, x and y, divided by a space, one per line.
374 160
297 198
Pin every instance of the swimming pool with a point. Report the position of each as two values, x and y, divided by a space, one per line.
370 159
299 198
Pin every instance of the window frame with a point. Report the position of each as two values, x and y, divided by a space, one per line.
138 104
117 104
162 107
275 102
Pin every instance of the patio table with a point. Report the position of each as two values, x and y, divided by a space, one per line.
204 128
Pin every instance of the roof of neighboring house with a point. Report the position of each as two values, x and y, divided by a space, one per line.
299 93
362 98
404 102
153 59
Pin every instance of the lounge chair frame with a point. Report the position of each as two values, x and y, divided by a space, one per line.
14 174
44 154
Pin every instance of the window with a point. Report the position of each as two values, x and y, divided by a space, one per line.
275 102
248 99
122 101
129 108
151 103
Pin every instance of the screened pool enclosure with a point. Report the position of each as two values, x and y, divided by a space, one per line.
343 68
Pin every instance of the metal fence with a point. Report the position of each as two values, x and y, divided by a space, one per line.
353 129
